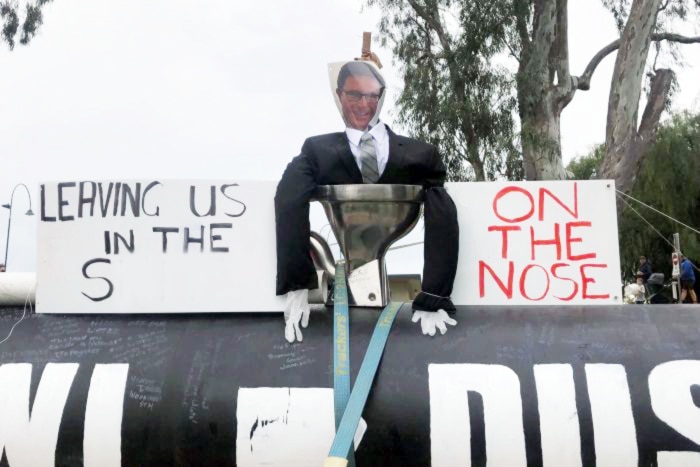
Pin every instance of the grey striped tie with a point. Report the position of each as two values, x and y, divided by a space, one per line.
368 157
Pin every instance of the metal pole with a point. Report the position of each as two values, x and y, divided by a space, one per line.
9 217
7 239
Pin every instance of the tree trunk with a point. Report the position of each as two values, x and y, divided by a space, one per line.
544 88
476 163
625 144
541 138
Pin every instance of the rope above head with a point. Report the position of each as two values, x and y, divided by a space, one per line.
367 54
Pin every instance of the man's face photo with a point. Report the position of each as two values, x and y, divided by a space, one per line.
359 98
359 92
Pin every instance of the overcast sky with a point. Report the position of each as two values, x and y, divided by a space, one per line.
144 89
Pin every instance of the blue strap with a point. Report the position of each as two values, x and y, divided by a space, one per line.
352 407
341 351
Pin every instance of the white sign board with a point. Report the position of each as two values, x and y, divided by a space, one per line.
156 246
537 243
209 246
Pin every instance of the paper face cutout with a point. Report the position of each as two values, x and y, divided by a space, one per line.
358 90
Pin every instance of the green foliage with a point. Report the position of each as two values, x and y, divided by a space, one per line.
586 167
455 93
461 88
620 10
669 181
9 14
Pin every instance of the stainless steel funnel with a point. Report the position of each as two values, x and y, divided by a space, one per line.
366 220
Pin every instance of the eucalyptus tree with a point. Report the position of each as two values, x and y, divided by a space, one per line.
456 94
12 13
627 138
437 41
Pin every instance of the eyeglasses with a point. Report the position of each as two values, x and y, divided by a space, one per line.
355 96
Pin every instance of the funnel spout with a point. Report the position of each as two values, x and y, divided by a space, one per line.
366 220
321 254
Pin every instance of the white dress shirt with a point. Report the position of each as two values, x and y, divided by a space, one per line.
381 145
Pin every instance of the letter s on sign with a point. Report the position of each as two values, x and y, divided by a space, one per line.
109 283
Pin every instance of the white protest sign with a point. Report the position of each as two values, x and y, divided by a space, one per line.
537 243
156 246
209 246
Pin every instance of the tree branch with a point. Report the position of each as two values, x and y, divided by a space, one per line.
512 51
584 81
562 44
544 24
656 103
424 31
668 36
433 21
521 26
566 84
434 25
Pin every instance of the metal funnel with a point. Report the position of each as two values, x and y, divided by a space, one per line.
366 220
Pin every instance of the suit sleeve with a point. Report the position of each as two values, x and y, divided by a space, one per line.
295 268
441 247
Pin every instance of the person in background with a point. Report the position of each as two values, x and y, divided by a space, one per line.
645 268
2 267
640 295
687 280
655 286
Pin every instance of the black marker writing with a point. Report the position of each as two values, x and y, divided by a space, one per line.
44 217
143 199
83 199
189 239
213 238
212 201
112 199
109 283
117 238
242 206
165 231
62 202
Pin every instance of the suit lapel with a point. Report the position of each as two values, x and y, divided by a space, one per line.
342 149
395 157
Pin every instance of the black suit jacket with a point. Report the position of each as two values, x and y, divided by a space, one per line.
327 160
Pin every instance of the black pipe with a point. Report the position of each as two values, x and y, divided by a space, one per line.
186 373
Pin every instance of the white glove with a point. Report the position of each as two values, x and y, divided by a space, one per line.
429 320
296 311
